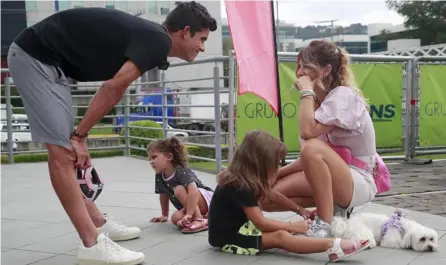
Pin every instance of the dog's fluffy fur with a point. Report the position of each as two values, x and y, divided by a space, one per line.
367 226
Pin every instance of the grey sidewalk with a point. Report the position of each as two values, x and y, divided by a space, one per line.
36 230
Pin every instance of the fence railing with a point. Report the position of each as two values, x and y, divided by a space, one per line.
194 114
210 127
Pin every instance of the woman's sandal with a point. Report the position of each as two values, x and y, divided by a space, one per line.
336 253
192 229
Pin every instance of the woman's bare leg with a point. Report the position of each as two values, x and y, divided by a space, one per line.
329 177
294 185
296 188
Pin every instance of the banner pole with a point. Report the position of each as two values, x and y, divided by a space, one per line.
279 97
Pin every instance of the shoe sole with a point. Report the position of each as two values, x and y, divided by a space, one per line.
125 237
366 246
100 262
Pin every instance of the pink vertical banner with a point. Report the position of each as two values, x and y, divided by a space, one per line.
251 27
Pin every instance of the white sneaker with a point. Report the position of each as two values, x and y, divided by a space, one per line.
117 231
107 252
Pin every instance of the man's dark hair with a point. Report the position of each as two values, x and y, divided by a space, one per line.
191 14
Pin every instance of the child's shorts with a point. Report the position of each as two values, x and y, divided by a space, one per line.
248 241
207 195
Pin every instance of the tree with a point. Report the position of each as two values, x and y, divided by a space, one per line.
429 17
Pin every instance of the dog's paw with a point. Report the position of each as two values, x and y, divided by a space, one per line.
372 243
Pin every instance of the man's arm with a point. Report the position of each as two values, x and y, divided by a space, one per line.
108 96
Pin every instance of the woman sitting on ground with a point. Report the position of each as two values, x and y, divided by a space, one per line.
320 177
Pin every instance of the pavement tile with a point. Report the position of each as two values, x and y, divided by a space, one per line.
36 230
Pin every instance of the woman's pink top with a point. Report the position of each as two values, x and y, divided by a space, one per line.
346 110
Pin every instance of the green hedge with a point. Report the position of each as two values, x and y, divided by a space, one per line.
146 133
158 134
192 150
42 157
205 152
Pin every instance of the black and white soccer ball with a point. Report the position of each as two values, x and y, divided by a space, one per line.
90 183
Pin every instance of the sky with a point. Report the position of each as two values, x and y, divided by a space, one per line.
307 12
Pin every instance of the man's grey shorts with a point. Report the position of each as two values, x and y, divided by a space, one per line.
46 96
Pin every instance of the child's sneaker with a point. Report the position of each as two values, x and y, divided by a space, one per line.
343 213
319 228
107 252
117 231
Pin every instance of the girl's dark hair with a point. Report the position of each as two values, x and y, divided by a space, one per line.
173 146
191 14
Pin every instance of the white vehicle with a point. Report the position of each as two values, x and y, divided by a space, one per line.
178 134
200 118
20 132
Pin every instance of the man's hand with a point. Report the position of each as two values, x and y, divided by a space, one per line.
83 160
160 219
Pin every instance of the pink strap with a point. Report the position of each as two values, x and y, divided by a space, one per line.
358 163
353 161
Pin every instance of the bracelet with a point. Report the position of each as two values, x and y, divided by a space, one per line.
306 93
80 135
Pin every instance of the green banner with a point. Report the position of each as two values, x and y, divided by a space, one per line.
432 130
381 83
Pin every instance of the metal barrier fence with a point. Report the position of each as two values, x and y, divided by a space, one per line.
414 147
130 144
410 99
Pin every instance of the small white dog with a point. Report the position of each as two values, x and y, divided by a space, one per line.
390 232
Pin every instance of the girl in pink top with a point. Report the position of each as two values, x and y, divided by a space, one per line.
332 109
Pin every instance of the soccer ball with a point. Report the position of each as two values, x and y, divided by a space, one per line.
90 183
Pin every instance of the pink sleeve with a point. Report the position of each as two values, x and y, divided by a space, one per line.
343 109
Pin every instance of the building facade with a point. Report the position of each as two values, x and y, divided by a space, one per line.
386 37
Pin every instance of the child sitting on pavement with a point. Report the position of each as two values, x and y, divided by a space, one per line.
236 222
176 183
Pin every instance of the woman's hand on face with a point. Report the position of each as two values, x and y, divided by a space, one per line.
304 83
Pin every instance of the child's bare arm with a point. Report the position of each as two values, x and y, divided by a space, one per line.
255 215
164 201
192 198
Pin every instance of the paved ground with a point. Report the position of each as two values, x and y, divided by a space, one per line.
36 230
417 187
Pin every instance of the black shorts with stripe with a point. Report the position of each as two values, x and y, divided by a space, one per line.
248 241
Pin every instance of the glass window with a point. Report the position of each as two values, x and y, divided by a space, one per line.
110 4
31 5
153 7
